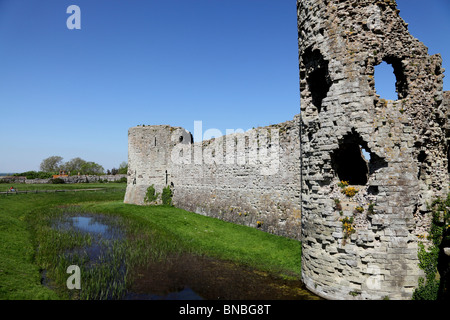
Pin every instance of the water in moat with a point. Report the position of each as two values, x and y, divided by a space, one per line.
182 276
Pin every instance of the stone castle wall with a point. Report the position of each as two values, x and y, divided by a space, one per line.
250 178
365 246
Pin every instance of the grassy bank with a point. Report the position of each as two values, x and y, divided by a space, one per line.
24 228
63 186
20 276
216 238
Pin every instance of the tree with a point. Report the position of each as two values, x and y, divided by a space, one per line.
123 168
51 164
74 165
92 168
78 165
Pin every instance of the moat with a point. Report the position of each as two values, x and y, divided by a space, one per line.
181 276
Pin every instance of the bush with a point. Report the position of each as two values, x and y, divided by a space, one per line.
151 194
428 288
35 175
371 209
434 286
347 227
350 191
121 180
167 196
343 184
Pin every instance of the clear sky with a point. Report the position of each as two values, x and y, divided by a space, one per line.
231 64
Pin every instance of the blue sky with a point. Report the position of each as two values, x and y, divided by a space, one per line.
231 64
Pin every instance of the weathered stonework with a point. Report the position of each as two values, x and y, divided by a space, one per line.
250 178
365 246
149 150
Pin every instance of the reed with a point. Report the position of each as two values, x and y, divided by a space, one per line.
106 276
35 249
21 275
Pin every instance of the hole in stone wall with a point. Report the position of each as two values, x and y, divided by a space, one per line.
448 160
376 163
385 81
353 161
373 190
318 86
186 138
350 165
421 159
365 154
315 70
390 80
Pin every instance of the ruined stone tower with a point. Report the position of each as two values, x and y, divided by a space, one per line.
149 159
360 241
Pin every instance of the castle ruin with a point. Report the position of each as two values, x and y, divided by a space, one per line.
363 243
350 176
250 178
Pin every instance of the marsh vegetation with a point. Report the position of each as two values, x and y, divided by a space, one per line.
138 252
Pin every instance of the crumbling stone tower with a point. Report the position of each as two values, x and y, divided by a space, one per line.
149 159
360 241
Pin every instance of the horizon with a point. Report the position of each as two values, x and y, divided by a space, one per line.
231 65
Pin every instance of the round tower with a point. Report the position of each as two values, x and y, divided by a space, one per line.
369 165
150 159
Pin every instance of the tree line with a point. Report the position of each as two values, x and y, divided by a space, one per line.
54 165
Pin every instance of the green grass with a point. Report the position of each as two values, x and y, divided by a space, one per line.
217 238
105 276
20 276
63 186
24 228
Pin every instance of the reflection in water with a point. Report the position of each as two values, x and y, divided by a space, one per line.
182 276
184 294
201 277
99 226
88 224
104 231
